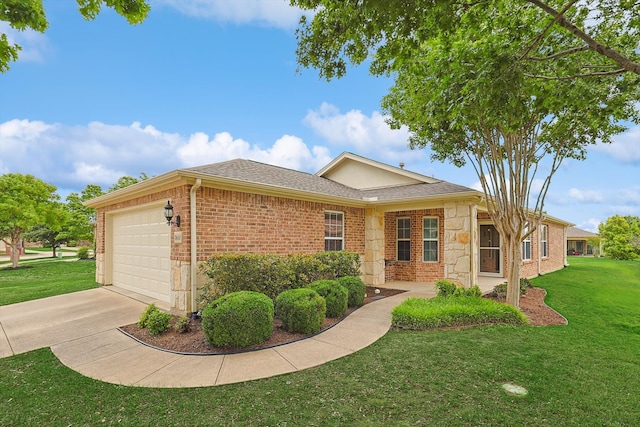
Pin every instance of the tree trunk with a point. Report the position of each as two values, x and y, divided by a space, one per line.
514 259
16 248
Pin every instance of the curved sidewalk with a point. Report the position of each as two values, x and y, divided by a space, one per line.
113 357
81 330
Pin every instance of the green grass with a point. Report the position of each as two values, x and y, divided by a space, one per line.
584 374
421 313
45 278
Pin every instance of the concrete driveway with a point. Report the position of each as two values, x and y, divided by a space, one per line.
55 320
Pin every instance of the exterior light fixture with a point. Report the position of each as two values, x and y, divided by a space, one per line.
168 214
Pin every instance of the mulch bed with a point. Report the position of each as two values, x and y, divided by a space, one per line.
193 342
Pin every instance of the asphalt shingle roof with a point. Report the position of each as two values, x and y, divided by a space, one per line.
259 173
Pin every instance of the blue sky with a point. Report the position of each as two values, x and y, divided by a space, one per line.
202 81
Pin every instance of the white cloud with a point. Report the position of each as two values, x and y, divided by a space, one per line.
367 135
71 157
590 224
625 147
35 46
585 196
273 13
288 151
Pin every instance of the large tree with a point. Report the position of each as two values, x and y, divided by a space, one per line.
25 201
82 218
471 83
30 14
621 237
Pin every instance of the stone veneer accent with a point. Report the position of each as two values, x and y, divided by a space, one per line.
460 237
373 264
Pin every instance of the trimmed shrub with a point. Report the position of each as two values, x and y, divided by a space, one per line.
272 274
473 291
144 317
238 319
356 288
500 291
445 288
420 313
300 310
335 295
83 252
183 325
158 322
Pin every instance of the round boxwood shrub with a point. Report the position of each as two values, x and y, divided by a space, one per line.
301 310
335 295
356 288
238 319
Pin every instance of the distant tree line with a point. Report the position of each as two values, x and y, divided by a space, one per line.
31 210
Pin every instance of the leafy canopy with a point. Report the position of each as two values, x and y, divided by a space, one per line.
621 237
30 14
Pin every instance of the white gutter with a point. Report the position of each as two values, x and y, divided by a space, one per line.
194 242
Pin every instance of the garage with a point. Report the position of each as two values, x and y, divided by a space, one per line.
141 252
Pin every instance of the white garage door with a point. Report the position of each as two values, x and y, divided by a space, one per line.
141 252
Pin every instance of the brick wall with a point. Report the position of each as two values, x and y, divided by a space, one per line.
416 269
231 221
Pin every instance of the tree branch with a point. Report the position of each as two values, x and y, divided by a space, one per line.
546 29
577 76
559 54
625 63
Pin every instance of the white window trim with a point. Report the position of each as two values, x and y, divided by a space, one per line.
437 239
403 239
544 241
526 242
341 238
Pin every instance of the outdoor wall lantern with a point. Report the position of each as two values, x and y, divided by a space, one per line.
168 214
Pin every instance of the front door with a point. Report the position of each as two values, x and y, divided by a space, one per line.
490 252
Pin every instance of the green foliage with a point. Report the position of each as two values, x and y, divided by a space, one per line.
356 288
30 14
83 252
126 181
182 325
301 310
26 201
500 291
445 288
46 235
272 274
621 237
157 322
420 313
338 264
335 295
144 317
238 319
473 291
81 217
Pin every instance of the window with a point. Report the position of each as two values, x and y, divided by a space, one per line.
430 233
526 245
333 231
544 240
404 239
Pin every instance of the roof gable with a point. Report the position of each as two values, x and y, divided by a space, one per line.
364 174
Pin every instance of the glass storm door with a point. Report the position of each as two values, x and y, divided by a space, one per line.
490 253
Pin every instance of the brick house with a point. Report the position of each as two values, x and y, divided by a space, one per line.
404 225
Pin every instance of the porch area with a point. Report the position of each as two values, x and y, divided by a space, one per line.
485 283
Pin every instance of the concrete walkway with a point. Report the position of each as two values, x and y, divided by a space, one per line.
81 330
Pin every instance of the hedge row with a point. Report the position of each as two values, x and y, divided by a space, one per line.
272 274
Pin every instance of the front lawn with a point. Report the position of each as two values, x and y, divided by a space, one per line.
584 374
45 278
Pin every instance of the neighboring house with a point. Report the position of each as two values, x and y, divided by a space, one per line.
404 225
578 242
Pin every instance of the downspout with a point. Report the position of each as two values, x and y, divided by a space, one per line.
194 243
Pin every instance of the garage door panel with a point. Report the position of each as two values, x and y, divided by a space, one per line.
141 252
